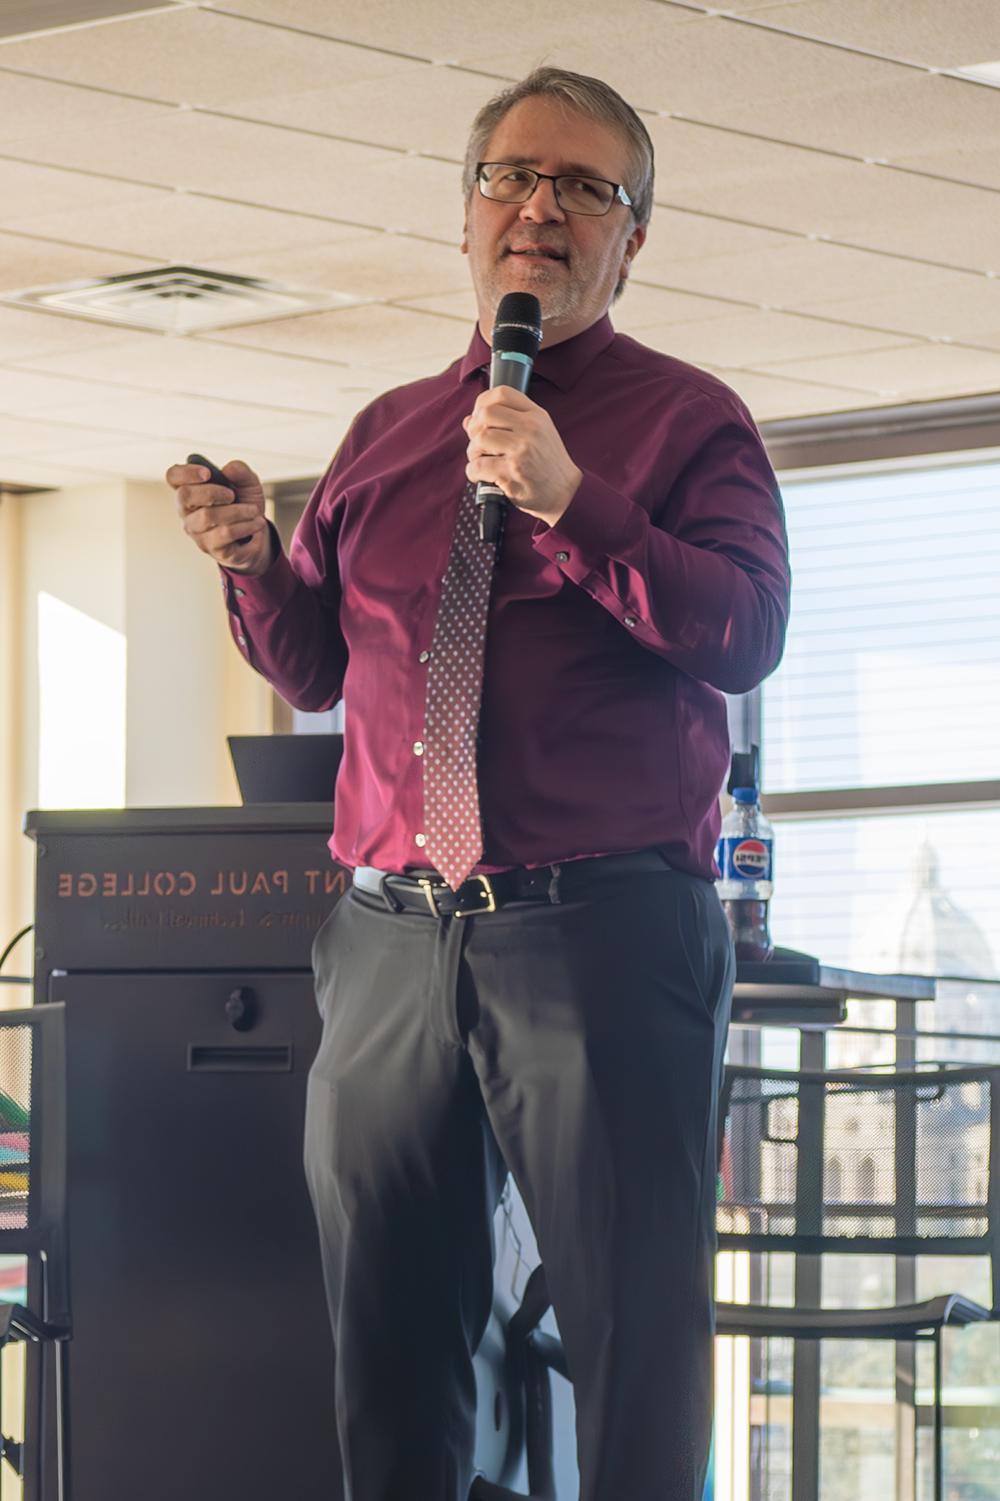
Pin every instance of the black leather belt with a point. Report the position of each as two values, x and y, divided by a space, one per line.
425 891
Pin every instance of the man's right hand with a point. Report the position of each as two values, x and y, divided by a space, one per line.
216 521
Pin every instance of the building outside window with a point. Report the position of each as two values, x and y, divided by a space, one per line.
880 742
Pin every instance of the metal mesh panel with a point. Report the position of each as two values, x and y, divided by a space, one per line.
15 1125
873 1158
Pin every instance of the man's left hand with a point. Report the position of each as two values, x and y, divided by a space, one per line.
513 443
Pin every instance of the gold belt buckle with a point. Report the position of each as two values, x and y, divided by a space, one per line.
489 898
487 893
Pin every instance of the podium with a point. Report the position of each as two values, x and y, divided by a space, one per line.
179 939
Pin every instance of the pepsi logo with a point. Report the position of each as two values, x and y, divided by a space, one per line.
752 859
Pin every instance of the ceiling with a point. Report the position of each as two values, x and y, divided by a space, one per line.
826 235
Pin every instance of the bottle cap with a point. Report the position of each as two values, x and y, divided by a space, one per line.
745 794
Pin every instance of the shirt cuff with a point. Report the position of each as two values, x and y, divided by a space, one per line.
598 523
267 593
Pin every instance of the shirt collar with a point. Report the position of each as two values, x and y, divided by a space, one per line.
563 364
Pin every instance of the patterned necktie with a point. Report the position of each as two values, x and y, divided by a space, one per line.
452 828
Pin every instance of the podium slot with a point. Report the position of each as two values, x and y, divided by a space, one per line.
239 1059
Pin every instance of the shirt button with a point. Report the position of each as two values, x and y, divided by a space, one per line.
242 640
420 839
418 747
631 621
424 656
562 557
240 593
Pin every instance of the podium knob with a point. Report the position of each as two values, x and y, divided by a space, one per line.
240 1008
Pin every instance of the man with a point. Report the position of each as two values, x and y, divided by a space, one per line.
563 1014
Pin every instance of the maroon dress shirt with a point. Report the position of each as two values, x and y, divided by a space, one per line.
610 634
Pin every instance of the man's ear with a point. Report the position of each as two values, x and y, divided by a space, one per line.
463 243
633 245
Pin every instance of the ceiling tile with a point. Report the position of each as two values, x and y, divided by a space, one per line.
921 111
27 262
716 69
186 148
164 226
749 79
697 164
507 39
970 164
197 56
29 191
23 434
990 340
450 304
17 470
273 168
410 195
758 338
770 398
643 305
644 70
31 393
315 435
911 216
676 236
149 458
945 305
909 371
95 429
809 192
299 206
372 334
26 334
365 266
20 16
440 105
34 108
804 274
944 36
161 363
204 424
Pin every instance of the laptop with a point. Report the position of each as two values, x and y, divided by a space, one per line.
286 768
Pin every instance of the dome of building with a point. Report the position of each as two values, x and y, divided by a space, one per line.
921 931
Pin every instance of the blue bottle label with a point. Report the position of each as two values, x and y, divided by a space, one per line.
745 859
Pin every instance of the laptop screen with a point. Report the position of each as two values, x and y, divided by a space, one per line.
286 768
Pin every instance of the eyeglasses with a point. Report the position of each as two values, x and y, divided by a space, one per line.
506 183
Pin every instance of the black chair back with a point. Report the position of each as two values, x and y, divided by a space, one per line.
33 1149
898 1163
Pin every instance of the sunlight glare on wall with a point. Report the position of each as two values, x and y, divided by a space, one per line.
81 709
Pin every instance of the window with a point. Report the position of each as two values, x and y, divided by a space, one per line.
881 728
880 753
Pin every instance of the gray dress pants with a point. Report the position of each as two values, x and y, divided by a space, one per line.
579 1046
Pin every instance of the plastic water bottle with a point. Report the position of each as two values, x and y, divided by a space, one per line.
746 859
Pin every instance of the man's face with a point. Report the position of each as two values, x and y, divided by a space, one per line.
571 262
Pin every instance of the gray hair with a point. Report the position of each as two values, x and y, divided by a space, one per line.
590 96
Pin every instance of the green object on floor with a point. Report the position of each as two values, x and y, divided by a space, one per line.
13 1117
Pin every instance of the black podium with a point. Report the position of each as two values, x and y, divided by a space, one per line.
179 939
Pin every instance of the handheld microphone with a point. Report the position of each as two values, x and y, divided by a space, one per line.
517 333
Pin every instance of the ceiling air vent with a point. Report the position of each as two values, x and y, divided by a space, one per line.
176 300
979 73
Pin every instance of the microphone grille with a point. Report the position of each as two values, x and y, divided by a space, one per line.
518 324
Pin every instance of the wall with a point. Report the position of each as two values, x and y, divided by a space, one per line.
114 552
10 740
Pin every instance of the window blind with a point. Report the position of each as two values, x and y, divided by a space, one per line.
891 672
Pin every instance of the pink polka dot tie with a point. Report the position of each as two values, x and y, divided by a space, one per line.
454 835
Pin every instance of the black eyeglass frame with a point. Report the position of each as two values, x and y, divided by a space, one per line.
619 196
